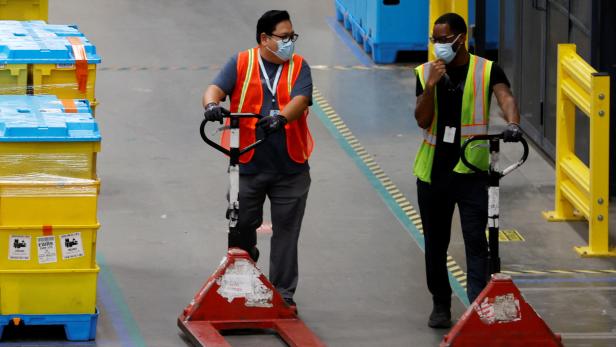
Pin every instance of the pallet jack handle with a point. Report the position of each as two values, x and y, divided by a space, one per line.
494 175
233 124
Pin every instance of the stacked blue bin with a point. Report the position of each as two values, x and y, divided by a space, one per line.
386 27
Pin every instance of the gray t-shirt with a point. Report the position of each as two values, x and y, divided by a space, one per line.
271 156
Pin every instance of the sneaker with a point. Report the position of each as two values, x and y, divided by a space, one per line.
254 254
291 303
440 318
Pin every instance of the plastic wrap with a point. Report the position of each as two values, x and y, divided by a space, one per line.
46 185
41 135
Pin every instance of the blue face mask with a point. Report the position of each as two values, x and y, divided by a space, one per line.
445 52
285 50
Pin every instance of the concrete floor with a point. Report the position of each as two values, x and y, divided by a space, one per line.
362 275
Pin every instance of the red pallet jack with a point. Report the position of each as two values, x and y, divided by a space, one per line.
499 316
238 295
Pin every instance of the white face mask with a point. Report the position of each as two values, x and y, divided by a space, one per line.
444 51
285 50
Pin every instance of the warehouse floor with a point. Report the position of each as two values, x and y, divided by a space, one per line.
361 260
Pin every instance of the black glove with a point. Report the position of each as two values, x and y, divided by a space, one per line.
215 113
272 123
513 133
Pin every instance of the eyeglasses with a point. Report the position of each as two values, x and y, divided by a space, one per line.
442 39
291 37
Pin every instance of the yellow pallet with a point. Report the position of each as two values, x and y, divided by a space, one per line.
55 202
13 79
61 81
48 291
48 247
68 159
24 9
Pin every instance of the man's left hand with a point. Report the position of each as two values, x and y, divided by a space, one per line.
272 123
513 133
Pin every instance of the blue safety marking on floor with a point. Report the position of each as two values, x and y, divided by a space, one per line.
116 307
389 201
346 38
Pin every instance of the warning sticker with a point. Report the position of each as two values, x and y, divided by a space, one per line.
46 249
241 280
19 247
71 246
500 309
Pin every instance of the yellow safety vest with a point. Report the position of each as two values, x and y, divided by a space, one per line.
475 119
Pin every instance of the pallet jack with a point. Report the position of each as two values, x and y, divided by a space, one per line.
238 295
500 316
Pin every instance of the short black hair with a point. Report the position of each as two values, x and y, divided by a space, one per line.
455 21
268 21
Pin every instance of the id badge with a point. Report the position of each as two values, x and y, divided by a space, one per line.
274 112
450 134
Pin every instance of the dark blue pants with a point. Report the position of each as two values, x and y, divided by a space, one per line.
436 205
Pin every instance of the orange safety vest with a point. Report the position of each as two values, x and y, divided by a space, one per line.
247 96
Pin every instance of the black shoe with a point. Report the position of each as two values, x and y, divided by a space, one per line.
440 318
291 303
254 254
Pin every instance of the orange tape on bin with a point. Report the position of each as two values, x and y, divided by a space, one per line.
81 62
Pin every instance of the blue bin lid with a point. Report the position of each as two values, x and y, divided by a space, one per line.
31 120
36 42
44 103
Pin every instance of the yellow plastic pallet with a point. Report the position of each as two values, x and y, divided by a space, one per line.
71 291
48 247
68 159
55 202
24 9
13 79
61 81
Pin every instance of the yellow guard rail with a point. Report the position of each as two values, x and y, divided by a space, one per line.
582 191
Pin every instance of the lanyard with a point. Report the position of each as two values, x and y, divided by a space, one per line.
272 88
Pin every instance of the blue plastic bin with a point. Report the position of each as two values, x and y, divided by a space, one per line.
43 103
386 27
34 119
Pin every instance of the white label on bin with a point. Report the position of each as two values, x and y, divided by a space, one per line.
47 249
2 66
71 246
65 66
19 247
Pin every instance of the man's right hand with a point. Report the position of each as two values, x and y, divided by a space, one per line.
215 112
437 70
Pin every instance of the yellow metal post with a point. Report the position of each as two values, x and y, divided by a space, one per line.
582 191
440 7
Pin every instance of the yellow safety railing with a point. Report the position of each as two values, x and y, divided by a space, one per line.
582 191
440 7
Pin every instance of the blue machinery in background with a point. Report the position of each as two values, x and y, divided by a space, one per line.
386 27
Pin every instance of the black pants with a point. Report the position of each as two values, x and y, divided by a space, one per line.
436 205
287 195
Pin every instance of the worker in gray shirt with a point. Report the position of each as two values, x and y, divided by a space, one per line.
272 81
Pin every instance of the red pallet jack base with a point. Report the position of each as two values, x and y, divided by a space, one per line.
501 317
239 296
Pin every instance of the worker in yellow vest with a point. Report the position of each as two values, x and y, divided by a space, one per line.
453 103
272 81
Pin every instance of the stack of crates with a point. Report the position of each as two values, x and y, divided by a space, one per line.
39 58
49 140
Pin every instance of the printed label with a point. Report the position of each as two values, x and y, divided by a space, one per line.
51 110
65 66
450 134
71 246
2 66
47 249
19 247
